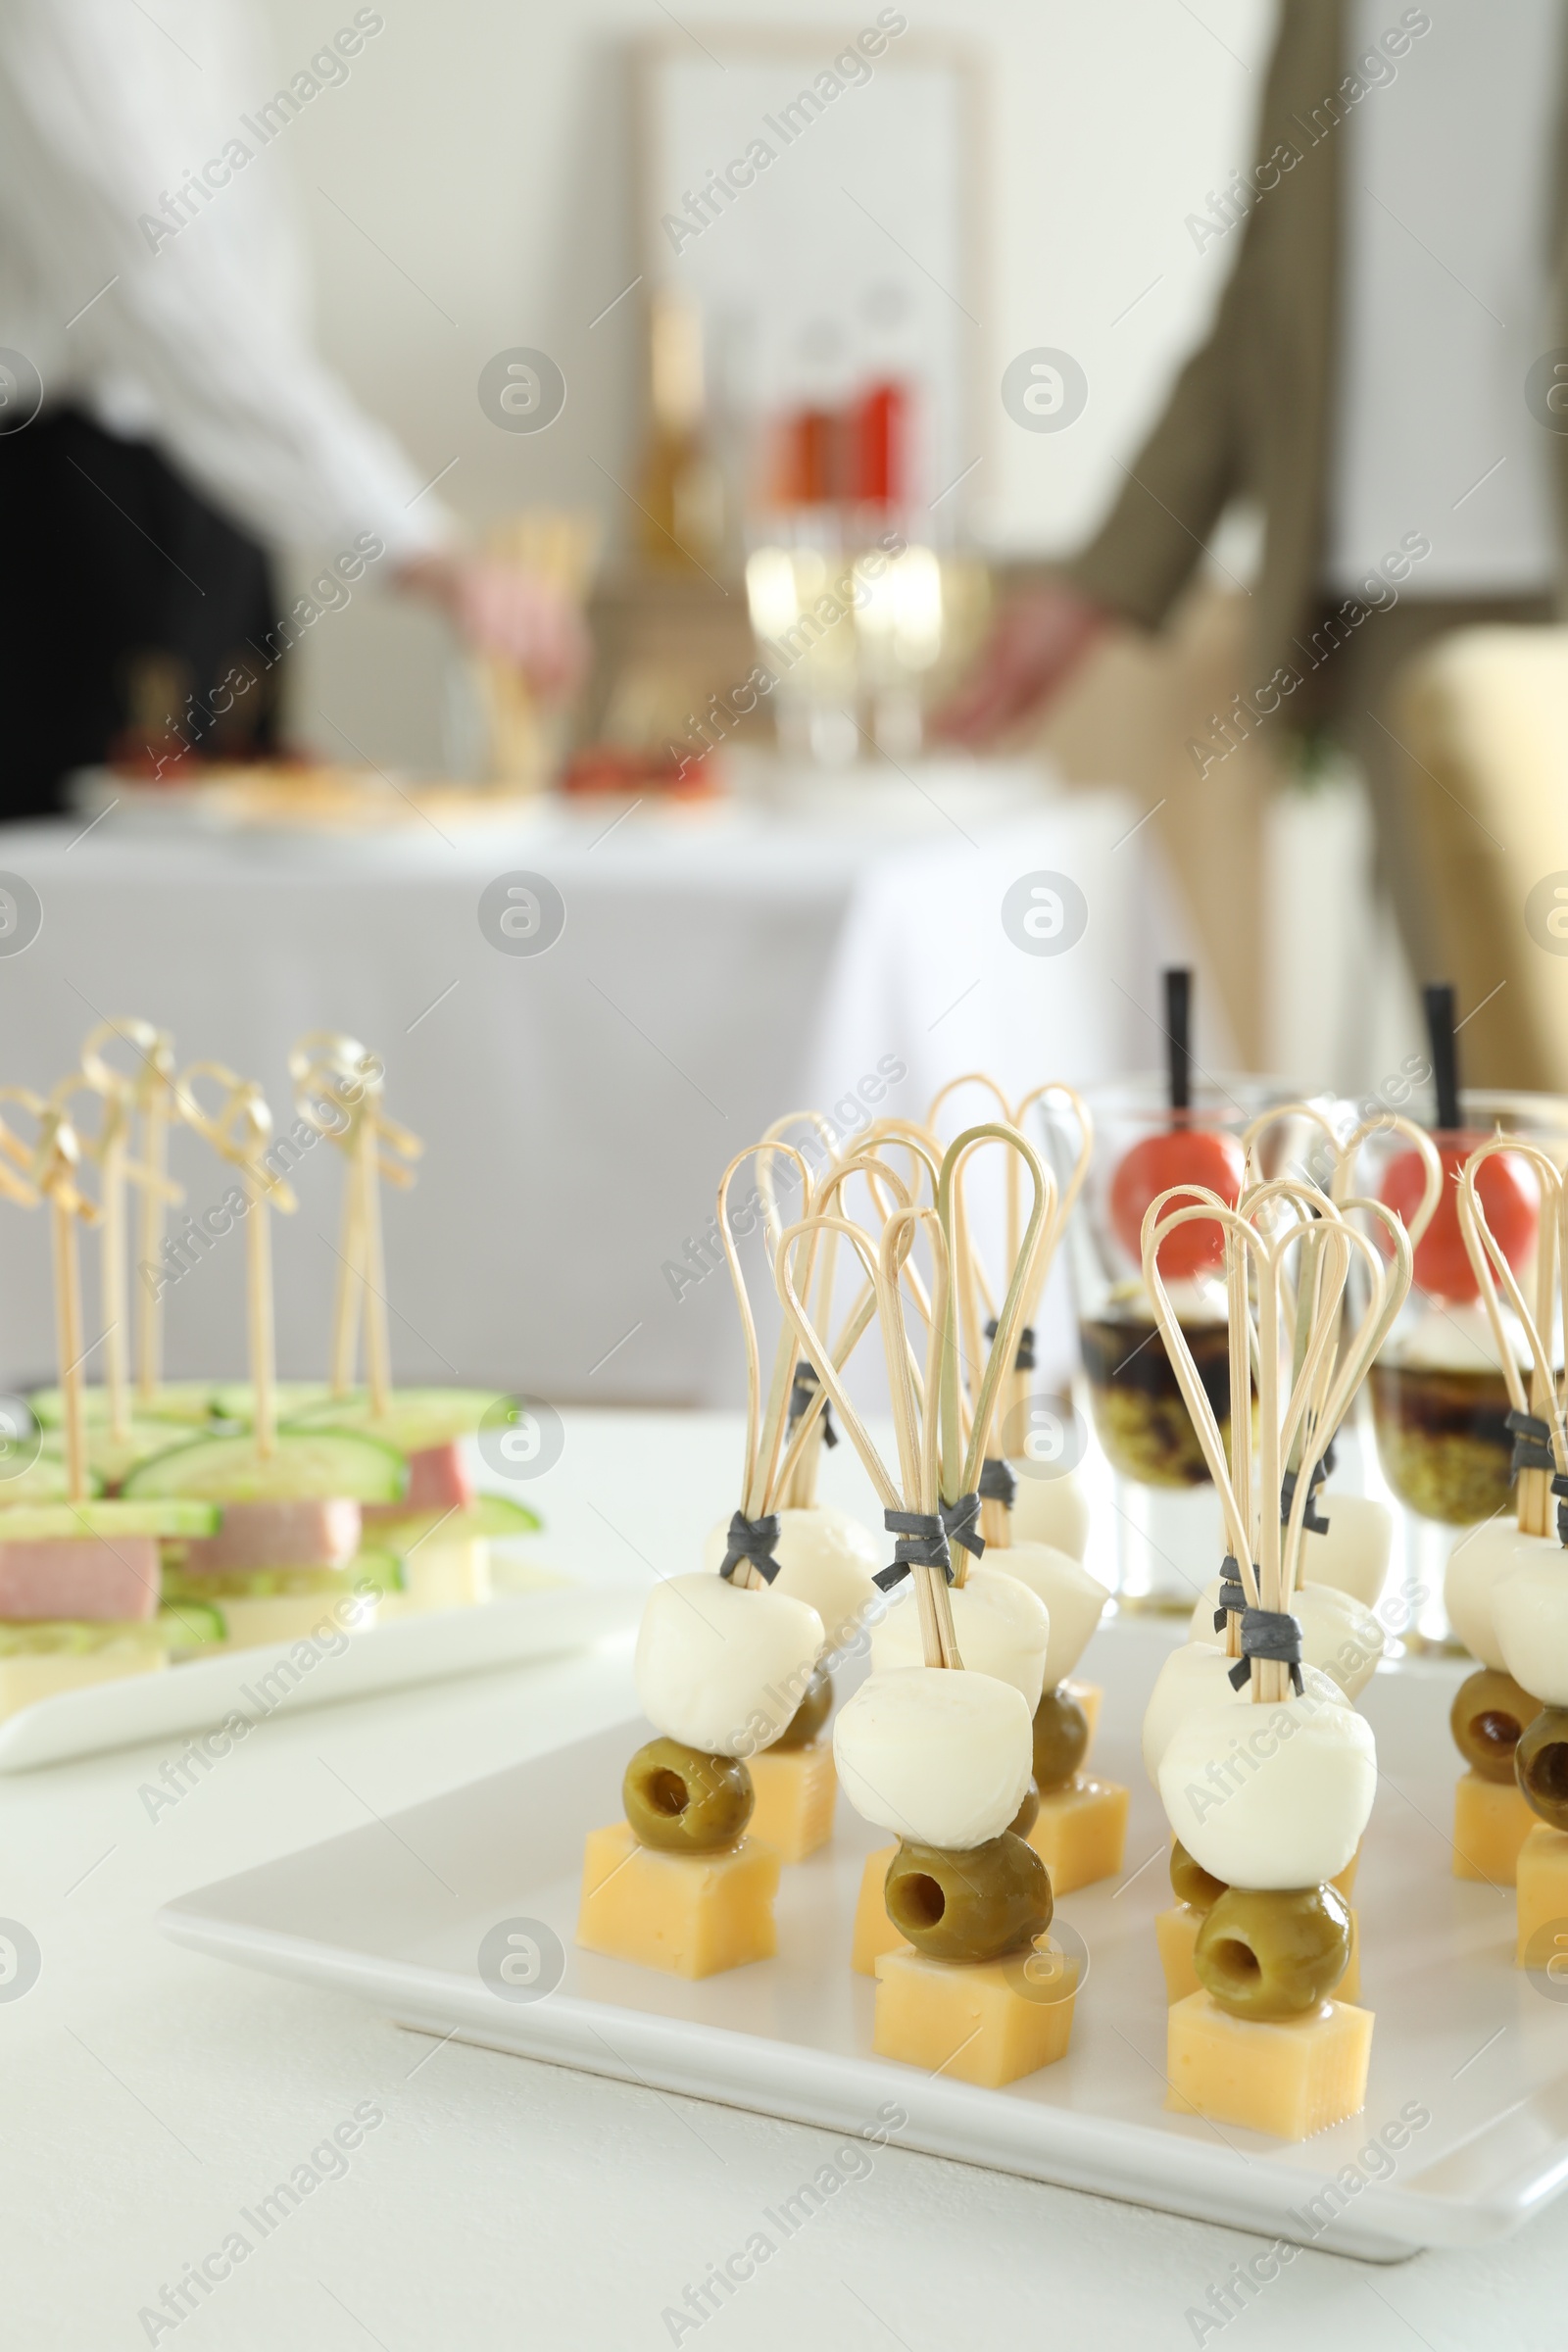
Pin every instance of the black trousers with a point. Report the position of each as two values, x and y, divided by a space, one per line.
125 600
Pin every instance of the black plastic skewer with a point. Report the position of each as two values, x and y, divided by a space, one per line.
1437 999
1179 1036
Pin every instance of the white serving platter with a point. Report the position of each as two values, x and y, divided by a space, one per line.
321 1671
1462 2039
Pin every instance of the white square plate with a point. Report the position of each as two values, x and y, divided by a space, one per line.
396 1914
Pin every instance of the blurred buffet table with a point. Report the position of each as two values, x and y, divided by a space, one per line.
717 965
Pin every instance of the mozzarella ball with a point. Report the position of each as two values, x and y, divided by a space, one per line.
1002 1629
722 1667
936 1755
1530 1612
827 1558
1074 1599
1337 1635
1479 1557
1197 1676
1050 1510
1353 1557
1276 1796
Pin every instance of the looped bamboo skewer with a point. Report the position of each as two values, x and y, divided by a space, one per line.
962 1466
916 1489
797 1483
54 1175
327 1063
240 1132
151 1088
1266 1564
116 1093
1491 1271
764 1427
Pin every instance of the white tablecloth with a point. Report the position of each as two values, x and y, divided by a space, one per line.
579 1106
151 2093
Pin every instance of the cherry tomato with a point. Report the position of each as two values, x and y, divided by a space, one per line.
1187 1155
1509 1196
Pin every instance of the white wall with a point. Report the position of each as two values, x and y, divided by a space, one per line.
485 148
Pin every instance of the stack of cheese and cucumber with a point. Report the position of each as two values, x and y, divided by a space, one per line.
154 1519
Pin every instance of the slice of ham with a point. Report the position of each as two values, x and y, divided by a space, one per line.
80 1576
438 1481
298 1534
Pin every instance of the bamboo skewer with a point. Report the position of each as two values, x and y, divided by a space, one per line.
59 1157
240 1132
1543 1400
327 1064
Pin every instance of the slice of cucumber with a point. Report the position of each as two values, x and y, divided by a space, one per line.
42 1522
112 1459
414 1418
189 1625
492 1516
185 1400
236 1399
306 1463
42 1481
78 1637
381 1570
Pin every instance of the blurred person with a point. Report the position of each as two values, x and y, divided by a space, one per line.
164 419
1397 253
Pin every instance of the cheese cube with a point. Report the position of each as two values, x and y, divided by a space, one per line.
1089 1696
1543 1883
693 1914
28 1676
1080 1832
1491 1823
874 1932
974 2020
795 1792
1176 1932
1291 2078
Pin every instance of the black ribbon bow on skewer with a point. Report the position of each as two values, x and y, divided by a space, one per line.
1269 1634
1311 1517
1559 1488
751 1540
1025 1358
962 1521
1531 1443
803 1390
996 1481
922 1543
1232 1593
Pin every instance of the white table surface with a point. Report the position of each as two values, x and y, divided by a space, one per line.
717 968
150 2093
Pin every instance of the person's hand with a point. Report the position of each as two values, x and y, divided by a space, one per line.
1037 642
506 611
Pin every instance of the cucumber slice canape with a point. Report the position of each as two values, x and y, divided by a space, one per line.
185 1400
314 1464
415 1420
42 1481
156 1515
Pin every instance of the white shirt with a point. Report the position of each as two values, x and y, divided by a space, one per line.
198 340
1446 300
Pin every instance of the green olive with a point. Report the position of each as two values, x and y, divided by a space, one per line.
1487 1715
1191 1882
681 1801
811 1713
1028 1813
1061 1737
979 1904
1273 1954
1541 1766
